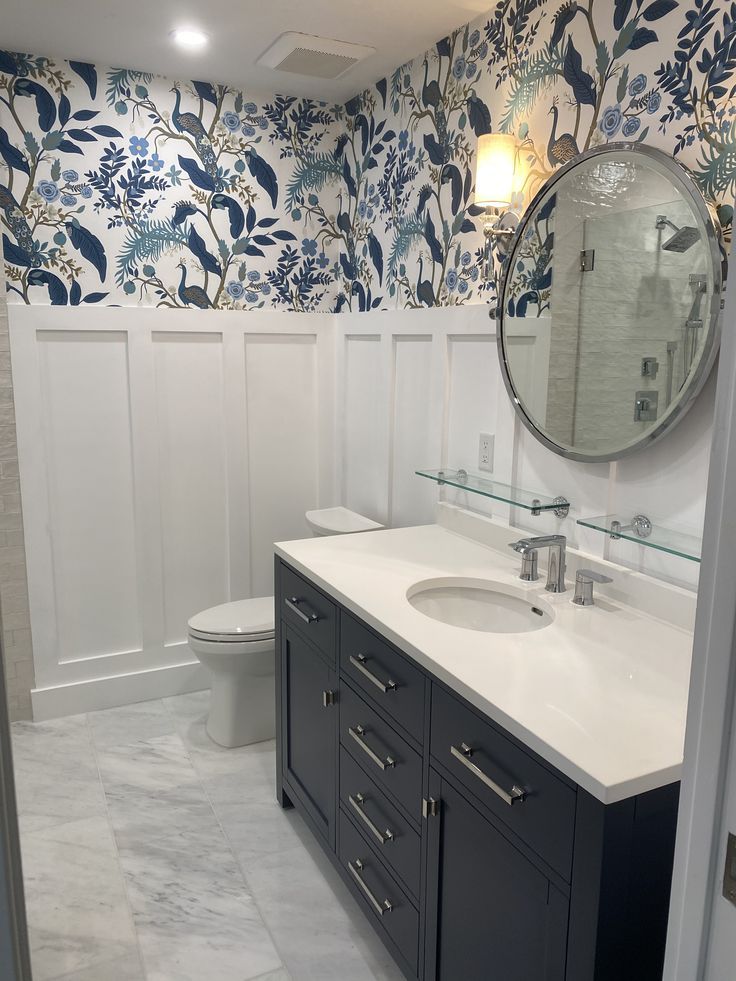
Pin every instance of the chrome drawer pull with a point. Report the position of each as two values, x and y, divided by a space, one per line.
357 733
293 605
357 803
386 906
463 754
359 663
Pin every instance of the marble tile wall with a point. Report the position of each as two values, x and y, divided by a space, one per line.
621 326
153 855
16 621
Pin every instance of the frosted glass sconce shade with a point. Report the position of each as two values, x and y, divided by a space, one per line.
494 170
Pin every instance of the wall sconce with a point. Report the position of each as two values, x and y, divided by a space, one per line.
495 181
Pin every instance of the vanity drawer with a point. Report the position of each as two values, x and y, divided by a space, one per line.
379 893
383 675
309 610
379 822
494 767
386 756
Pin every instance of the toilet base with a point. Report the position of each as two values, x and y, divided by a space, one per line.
242 710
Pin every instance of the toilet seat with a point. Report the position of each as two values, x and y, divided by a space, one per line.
242 622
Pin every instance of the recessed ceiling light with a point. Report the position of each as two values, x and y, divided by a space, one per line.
190 38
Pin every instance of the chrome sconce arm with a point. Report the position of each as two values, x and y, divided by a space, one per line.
499 229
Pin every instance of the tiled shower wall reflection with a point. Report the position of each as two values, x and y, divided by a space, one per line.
16 622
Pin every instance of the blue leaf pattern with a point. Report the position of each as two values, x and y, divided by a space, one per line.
289 203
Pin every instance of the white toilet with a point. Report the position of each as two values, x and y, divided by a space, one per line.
235 642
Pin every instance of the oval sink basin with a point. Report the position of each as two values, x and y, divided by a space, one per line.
479 604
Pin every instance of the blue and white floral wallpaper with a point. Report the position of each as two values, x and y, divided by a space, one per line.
122 187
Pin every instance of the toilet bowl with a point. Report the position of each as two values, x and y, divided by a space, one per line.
235 642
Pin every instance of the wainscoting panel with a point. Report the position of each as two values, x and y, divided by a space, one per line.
284 439
192 471
85 420
364 387
161 455
416 428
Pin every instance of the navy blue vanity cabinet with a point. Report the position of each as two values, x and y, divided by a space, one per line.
307 706
473 857
494 914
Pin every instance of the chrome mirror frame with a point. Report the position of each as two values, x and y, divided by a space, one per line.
683 180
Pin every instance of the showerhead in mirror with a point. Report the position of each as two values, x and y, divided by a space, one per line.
596 290
683 239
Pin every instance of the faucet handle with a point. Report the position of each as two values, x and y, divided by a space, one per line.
584 579
587 575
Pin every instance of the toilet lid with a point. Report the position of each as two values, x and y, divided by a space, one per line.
340 521
250 619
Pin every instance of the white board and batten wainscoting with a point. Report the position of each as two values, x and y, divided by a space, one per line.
163 453
415 389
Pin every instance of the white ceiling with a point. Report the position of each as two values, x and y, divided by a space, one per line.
135 34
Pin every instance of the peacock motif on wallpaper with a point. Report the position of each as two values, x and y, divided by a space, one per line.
122 187
191 125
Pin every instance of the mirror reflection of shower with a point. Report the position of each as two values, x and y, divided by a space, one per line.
683 239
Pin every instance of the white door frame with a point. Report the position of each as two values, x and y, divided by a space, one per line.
712 683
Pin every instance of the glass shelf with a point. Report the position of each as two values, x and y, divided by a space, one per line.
642 531
536 503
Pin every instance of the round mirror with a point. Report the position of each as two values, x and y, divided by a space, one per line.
610 308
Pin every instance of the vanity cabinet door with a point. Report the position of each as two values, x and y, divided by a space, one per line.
491 913
309 730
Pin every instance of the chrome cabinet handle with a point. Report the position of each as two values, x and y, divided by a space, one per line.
463 754
293 605
357 803
386 906
358 661
357 733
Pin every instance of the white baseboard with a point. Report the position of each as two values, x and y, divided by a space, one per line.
125 689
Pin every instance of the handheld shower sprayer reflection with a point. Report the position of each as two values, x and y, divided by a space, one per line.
683 239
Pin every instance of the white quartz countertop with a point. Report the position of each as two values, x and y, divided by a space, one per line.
601 693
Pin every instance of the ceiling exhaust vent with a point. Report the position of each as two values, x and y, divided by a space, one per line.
315 57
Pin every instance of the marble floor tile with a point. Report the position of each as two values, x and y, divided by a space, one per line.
153 791
126 968
192 706
56 776
250 775
194 915
317 927
132 723
152 854
257 828
190 716
77 907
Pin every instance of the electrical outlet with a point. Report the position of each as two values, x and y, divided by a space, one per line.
485 452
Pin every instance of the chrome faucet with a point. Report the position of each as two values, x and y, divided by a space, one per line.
584 579
527 547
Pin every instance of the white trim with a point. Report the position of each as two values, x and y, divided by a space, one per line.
711 700
122 689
